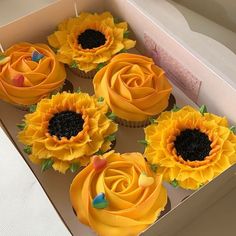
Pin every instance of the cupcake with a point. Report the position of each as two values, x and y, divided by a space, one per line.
134 88
118 194
88 41
28 73
66 130
190 147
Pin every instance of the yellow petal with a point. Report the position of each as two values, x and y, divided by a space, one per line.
128 43
34 159
53 41
61 166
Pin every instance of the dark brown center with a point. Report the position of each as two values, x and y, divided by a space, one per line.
91 39
65 124
192 145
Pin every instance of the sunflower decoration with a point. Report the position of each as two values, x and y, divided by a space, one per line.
90 40
64 131
190 147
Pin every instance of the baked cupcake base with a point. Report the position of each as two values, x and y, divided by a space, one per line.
82 74
141 124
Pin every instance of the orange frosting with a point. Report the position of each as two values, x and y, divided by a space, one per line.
39 78
133 86
134 193
161 150
71 52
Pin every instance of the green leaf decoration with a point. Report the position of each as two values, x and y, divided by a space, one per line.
123 50
203 109
144 142
54 93
154 167
27 149
99 152
46 164
111 138
233 129
117 20
100 66
21 126
175 108
175 183
126 34
111 116
74 167
100 99
73 65
202 184
55 50
78 90
32 108
152 120
2 57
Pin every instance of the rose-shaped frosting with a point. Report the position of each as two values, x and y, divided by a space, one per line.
133 86
131 207
90 39
37 78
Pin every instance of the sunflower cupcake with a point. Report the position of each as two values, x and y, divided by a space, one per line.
190 147
134 88
118 194
65 131
89 41
28 73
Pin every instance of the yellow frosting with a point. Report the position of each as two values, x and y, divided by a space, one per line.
133 87
40 78
160 150
131 208
65 39
78 149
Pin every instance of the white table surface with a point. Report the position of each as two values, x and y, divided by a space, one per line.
24 206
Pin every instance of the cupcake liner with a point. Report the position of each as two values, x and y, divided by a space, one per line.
113 144
82 74
132 124
166 209
142 124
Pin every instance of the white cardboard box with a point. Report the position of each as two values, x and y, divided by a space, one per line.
158 36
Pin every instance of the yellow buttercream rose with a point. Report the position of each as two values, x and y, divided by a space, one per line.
66 130
88 40
134 195
133 87
190 147
26 79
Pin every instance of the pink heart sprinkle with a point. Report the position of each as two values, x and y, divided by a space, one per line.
18 80
99 163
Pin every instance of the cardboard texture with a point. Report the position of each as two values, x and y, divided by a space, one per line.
142 22
205 201
207 59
